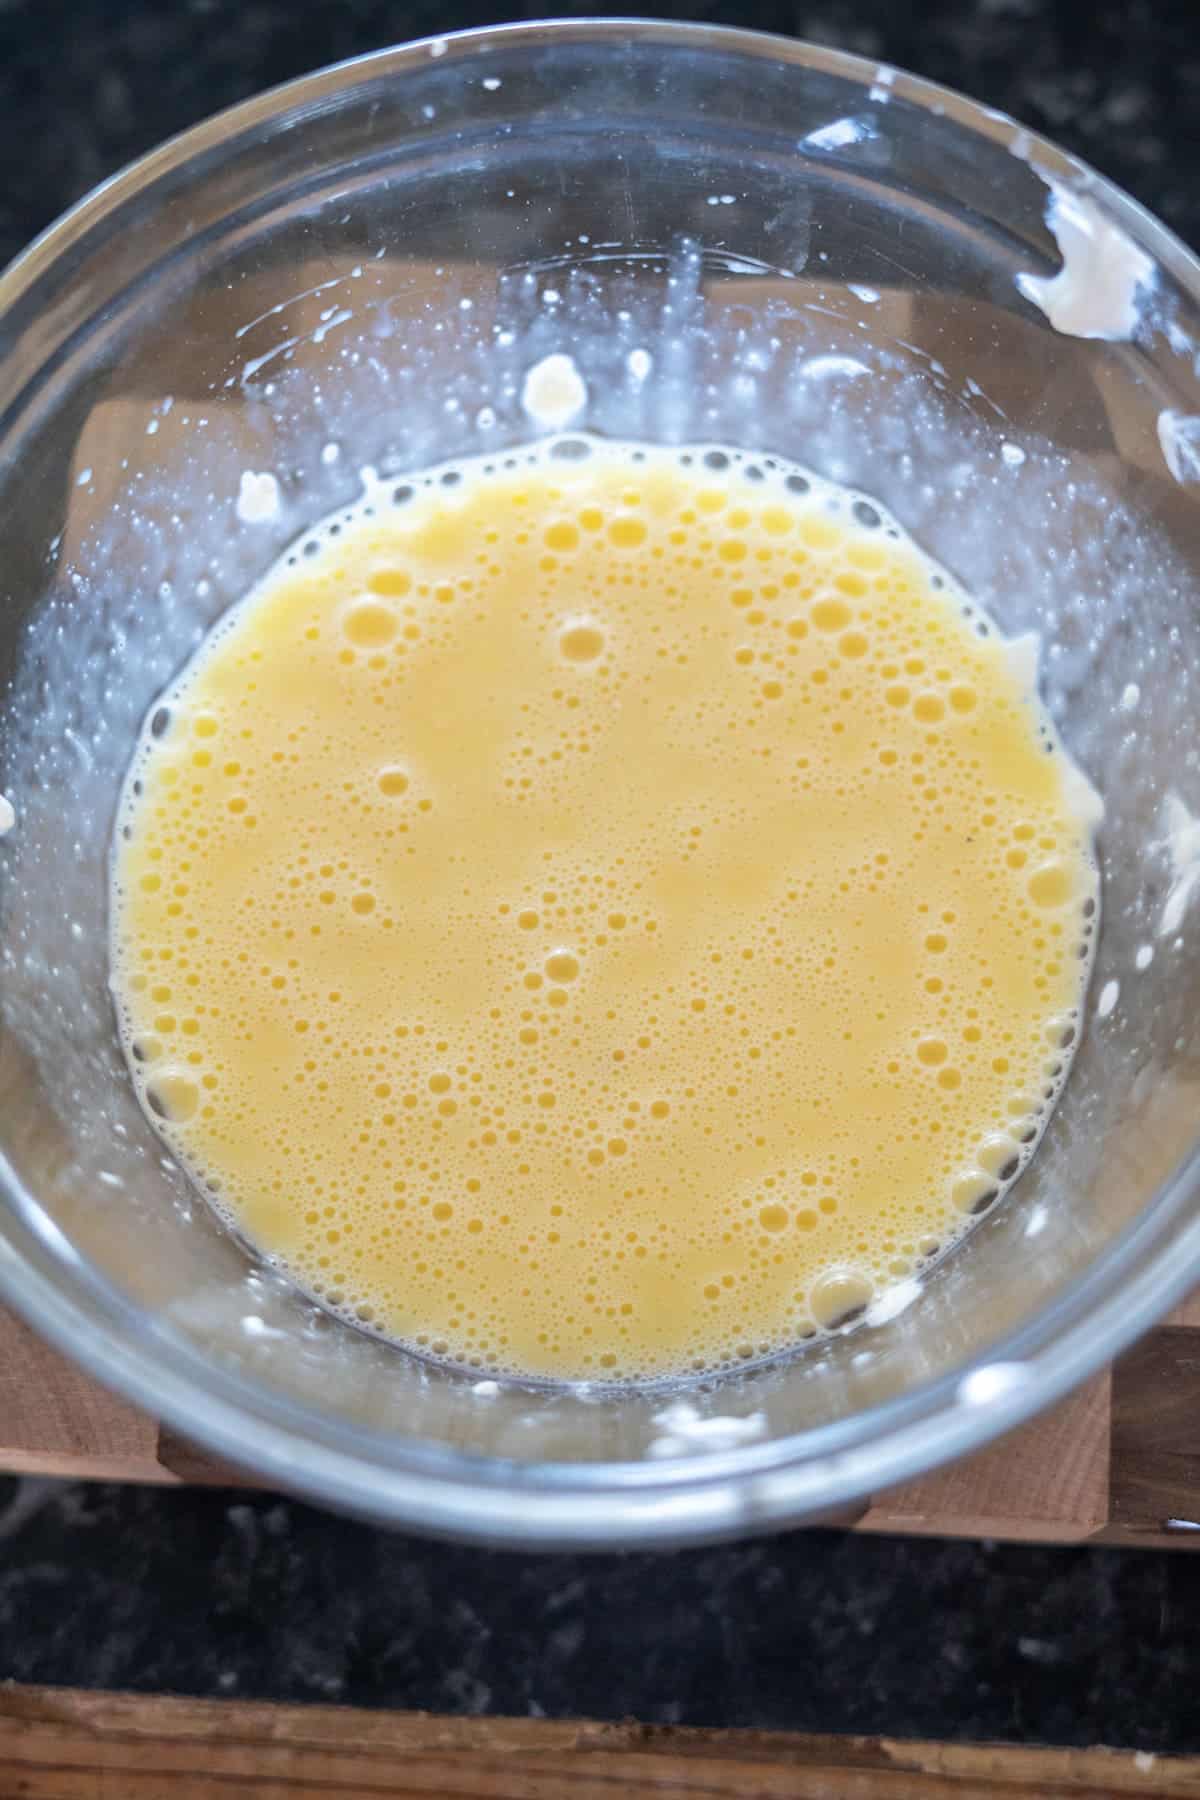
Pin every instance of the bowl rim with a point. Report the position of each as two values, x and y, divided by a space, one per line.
1147 1268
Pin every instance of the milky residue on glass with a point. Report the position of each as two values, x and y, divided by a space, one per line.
1110 993
1181 831
683 1430
553 392
839 134
1101 288
1179 437
257 497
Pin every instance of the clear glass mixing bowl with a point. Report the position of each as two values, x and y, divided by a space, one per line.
816 257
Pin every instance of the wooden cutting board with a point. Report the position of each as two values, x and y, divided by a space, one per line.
1118 1462
63 1744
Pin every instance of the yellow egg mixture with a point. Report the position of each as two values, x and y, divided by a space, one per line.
604 916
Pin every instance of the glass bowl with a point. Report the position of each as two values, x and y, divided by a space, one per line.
738 239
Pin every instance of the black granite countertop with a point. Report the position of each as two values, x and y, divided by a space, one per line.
85 85
212 1593
215 1593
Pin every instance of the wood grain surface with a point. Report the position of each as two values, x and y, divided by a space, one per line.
54 1420
1117 1462
1047 1483
1155 1434
63 1744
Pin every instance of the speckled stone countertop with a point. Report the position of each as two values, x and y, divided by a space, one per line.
213 1593
86 85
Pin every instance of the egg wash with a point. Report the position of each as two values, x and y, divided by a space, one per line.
602 912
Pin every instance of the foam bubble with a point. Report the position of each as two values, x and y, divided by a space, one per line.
258 498
554 392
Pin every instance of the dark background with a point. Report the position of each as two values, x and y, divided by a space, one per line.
214 1593
87 84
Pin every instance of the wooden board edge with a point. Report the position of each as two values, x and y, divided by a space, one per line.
71 1744
880 1521
82 1465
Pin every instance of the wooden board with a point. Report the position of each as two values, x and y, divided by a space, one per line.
1118 1462
62 1744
